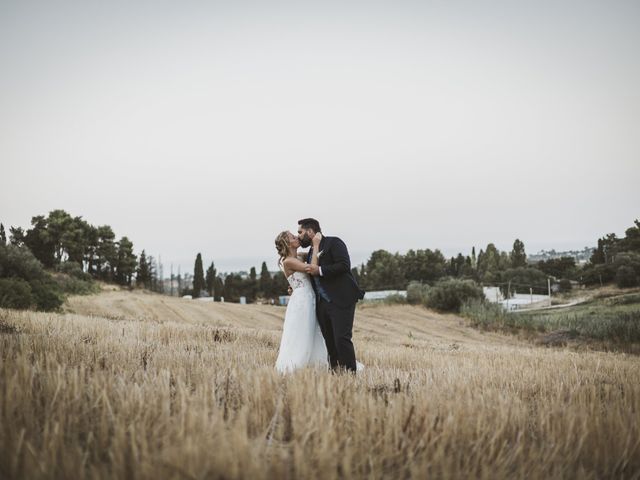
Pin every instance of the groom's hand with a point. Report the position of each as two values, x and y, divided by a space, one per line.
312 270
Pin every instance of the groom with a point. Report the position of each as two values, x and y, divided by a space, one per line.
337 293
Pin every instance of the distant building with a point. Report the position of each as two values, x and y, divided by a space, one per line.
580 256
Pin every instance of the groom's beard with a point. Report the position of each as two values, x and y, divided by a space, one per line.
304 242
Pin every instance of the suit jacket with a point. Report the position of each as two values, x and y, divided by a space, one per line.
337 279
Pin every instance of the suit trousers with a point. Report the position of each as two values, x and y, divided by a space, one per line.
336 324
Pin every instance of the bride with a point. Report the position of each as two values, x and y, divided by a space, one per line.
302 343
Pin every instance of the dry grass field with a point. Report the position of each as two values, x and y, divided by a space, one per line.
139 386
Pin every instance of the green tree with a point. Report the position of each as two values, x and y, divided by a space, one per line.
425 266
3 235
126 262
280 285
489 263
106 253
198 277
563 267
16 236
40 241
597 257
384 271
266 285
74 240
518 256
57 224
252 286
210 279
232 288
218 289
631 240
143 276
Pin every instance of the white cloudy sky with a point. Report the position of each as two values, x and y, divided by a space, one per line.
201 126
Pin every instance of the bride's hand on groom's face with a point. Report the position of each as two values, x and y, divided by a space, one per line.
317 238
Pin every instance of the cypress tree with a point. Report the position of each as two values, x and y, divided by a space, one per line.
265 281
198 277
211 279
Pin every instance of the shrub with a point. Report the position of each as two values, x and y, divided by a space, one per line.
448 295
15 293
417 293
484 313
75 286
46 295
25 283
626 277
19 262
74 270
564 285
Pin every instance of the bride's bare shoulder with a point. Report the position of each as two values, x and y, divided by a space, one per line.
293 264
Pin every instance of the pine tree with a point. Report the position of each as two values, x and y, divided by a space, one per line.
198 277
211 279
106 253
3 235
142 273
126 262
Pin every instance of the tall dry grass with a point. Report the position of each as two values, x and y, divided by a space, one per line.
91 397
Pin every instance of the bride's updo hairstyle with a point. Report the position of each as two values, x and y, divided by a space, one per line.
282 246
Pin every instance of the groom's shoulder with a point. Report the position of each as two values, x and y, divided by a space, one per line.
333 240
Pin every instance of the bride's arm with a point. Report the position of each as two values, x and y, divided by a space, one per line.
293 264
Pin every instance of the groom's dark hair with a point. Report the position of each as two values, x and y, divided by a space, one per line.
311 223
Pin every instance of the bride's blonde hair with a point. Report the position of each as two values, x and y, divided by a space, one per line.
282 246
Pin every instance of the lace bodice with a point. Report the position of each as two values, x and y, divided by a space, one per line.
299 280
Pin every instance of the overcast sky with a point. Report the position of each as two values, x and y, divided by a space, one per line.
211 126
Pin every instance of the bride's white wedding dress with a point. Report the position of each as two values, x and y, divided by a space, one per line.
302 343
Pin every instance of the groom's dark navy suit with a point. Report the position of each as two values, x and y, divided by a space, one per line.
337 293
